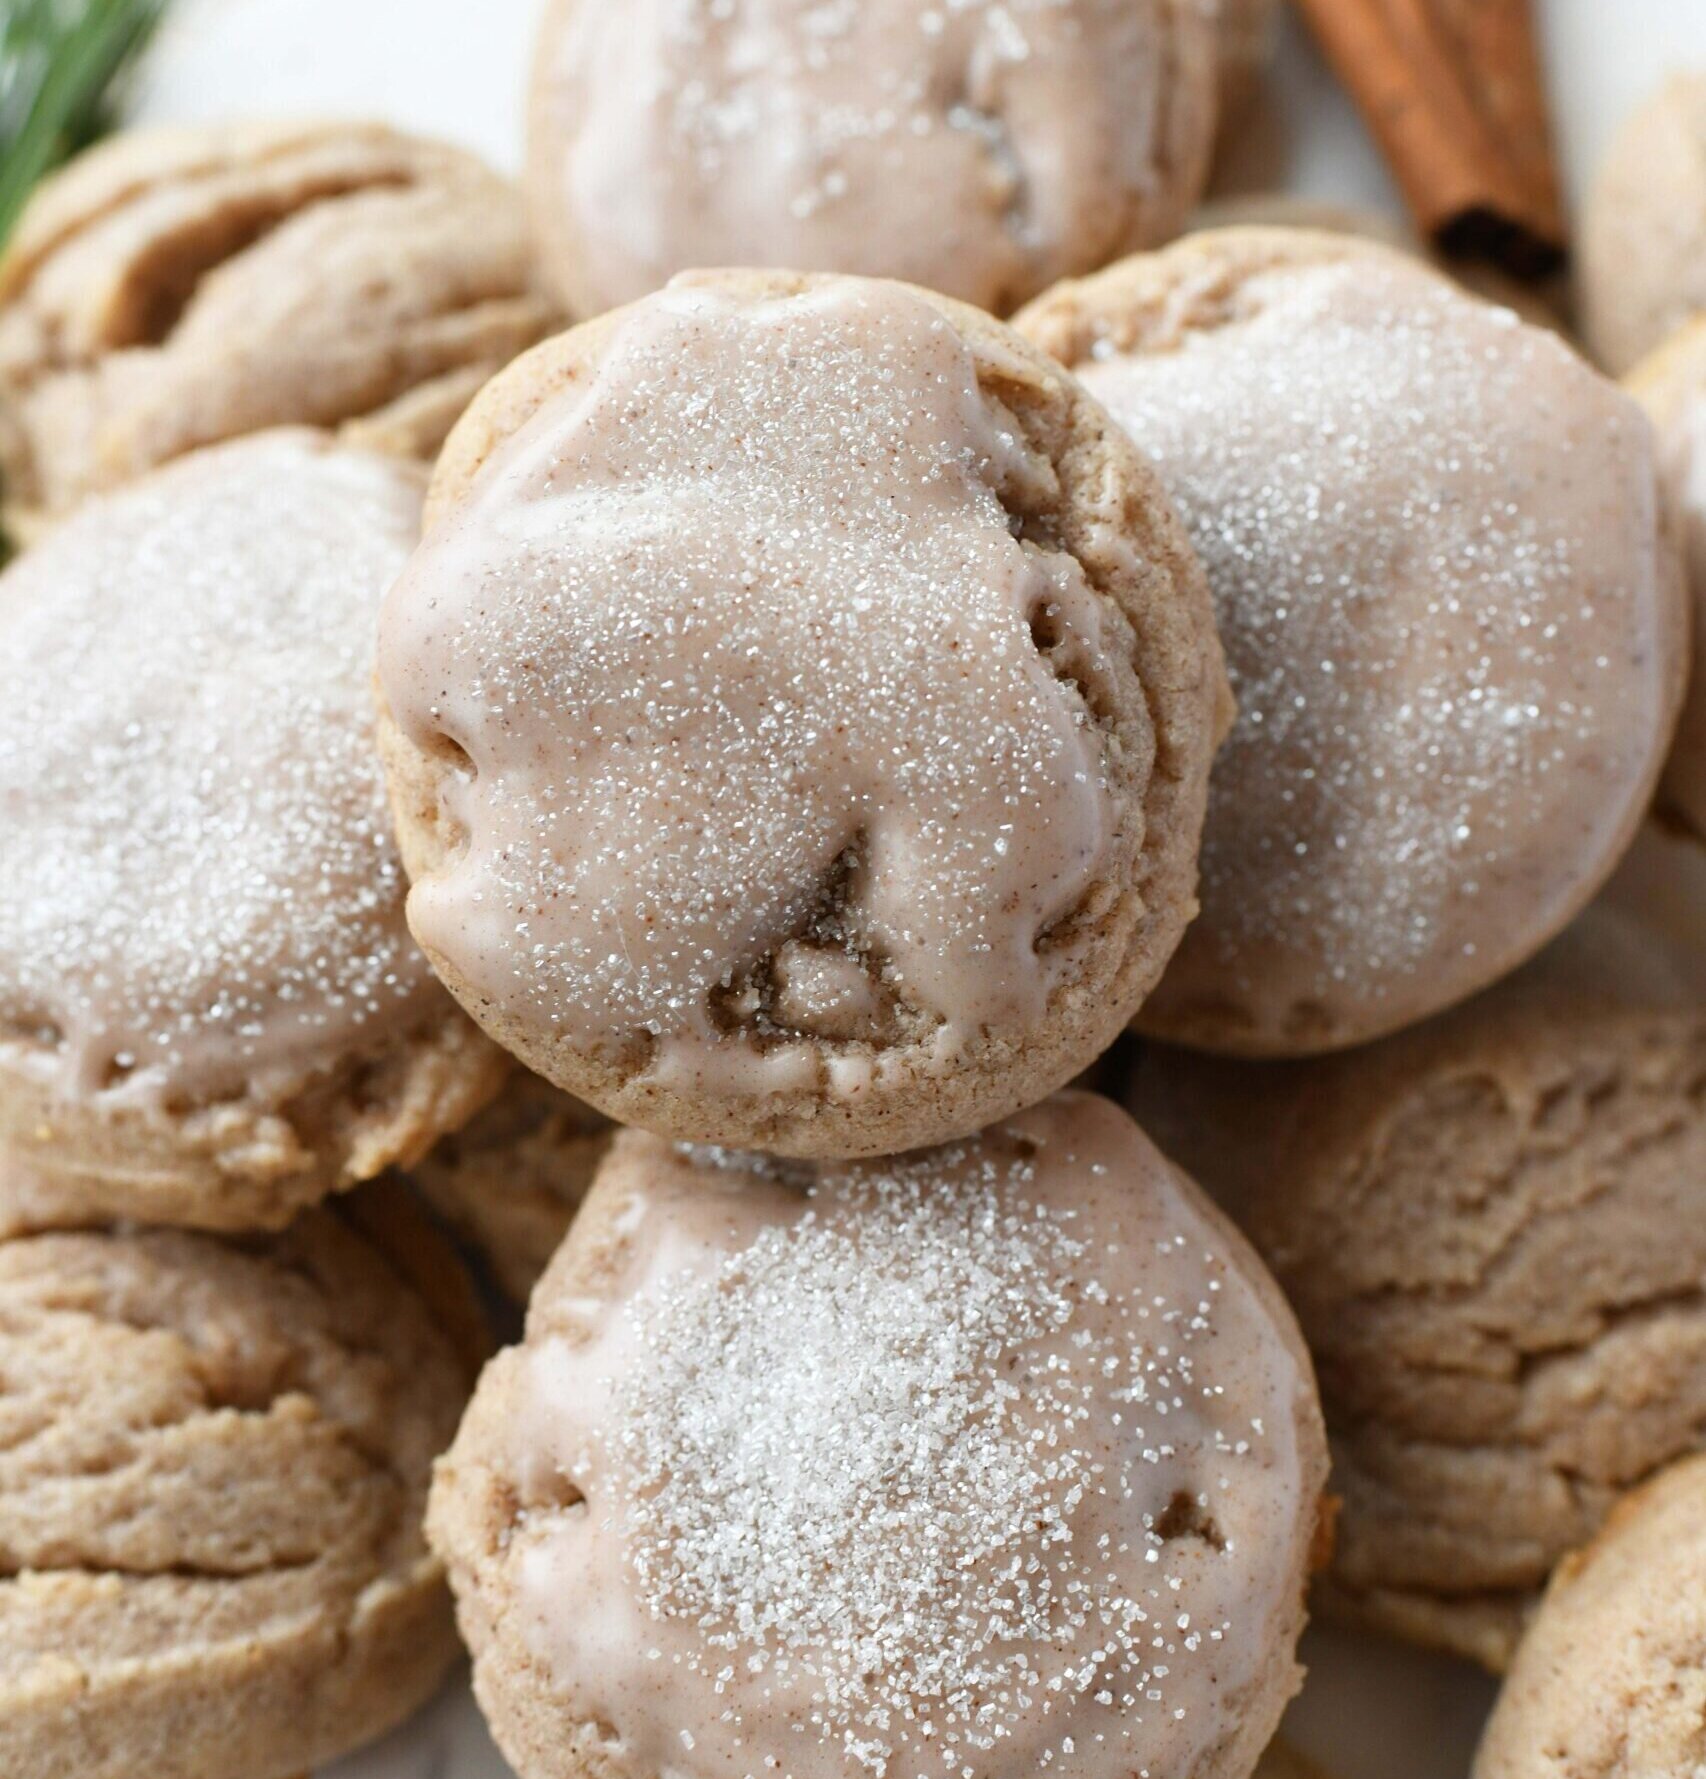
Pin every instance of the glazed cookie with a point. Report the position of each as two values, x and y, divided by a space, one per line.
1492 1230
1029 1433
798 717
1452 610
211 1011
1642 264
1280 210
1671 386
1608 1684
177 287
512 1181
213 1471
981 149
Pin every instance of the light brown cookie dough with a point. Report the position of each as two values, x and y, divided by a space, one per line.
512 1180
176 287
214 1459
1610 1681
1671 386
1493 1230
976 1462
1452 609
211 1011
798 717
1641 265
1245 32
979 148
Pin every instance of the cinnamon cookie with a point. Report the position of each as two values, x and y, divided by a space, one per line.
213 1470
1245 34
972 1462
211 1011
177 287
981 149
512 1180
1642 258
798 717
1671 386
1452 611
1608 1683
1493 1230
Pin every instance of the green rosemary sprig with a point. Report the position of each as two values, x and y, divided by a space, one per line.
59 60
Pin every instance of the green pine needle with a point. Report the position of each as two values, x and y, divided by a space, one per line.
58 62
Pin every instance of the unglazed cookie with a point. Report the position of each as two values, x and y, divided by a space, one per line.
1452 610
512 1180
983 149
798 717
211 1011
974 1462
1491 1228
1671 386
1608 1684
1642 262
1244 35
214 1460
176 287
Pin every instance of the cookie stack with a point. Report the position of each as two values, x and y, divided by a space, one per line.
692 819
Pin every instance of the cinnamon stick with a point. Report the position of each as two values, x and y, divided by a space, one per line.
1452 91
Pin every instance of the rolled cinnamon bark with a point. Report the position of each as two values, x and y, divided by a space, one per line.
1452 92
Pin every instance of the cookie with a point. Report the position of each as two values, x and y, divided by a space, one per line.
177 287
1491 1229
982 150
1533 302
1608 1682
211 1011
972 1461
1671 386
212 1479
1246 32
1452 609
1641 264
798 717
512 1180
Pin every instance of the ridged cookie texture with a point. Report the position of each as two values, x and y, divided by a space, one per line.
1491 1230
798 716
214 1458
177 286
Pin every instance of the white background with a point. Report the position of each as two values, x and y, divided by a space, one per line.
456 68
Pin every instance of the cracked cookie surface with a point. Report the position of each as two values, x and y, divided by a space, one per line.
214 1459
979 149
798 716
175 287
1490 1228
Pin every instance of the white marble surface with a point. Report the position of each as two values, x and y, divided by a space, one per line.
1371 1710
